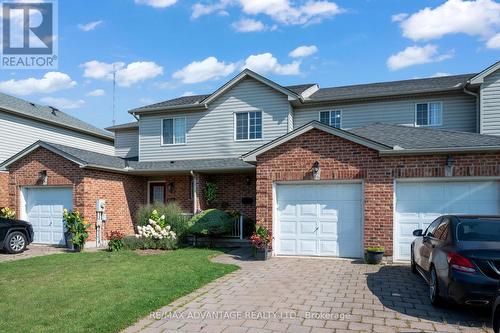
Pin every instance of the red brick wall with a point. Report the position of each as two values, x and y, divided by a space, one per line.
4 189
342 159
181 192
123 193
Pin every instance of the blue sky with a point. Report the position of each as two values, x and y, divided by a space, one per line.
166 48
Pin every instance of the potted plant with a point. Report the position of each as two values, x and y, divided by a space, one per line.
374 255
261 241
76 230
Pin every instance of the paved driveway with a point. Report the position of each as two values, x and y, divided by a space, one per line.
33 250
312 295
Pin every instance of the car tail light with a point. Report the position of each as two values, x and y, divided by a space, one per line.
460 263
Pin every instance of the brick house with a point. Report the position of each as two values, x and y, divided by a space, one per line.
330 170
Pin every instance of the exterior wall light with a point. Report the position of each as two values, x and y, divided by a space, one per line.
42 177
316 171
448 168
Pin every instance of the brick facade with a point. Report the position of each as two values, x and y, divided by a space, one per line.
123 193
341 159
4 189
181 191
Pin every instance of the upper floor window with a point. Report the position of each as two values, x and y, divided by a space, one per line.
332 118
174 131
429 114
248 125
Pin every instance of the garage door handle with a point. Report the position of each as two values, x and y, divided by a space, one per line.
316 229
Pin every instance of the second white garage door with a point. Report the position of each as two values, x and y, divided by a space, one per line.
319 220
420 203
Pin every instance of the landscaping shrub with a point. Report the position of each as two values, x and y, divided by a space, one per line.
134 243
115 242
174 217
212 222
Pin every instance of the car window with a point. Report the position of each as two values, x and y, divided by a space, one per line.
430 229
478 230
441 232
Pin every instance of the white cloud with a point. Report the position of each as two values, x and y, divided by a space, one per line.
248 25
416 55
399 17
126 75
303 51
267 63
63 103
50 82
441 74
494 42
475 18
90 26
157 3
205 70
282 11
188 93
96 93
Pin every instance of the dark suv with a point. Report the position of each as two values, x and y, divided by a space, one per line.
15 235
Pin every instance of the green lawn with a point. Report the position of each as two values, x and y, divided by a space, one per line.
100 291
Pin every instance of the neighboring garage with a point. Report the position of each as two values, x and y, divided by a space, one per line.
419 203
330 192
319 219
43 208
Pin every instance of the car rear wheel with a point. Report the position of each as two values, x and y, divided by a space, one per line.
16 242
413 266
434 287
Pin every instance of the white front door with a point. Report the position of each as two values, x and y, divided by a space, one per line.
319 220
44 210
420 203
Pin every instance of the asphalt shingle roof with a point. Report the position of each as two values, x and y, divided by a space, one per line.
90 157
196 165
423 138
50 115
299 88
392 88
134 124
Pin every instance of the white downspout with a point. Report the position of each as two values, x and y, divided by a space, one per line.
478 111
195 196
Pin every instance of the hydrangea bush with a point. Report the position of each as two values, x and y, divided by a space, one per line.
157 228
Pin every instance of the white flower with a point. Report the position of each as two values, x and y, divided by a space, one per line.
162 217
137 236
167 227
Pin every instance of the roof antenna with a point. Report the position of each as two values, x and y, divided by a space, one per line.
114 88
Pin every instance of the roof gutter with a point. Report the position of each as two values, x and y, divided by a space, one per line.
170 108
396 152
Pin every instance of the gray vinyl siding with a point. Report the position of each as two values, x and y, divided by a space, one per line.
459 112
127 143
490 104
210 133
17 133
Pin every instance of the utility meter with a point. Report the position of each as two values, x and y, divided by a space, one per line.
100 205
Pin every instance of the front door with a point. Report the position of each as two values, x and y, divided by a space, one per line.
156 193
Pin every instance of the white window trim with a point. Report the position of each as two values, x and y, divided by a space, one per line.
428 107
185 133
330 117
262 126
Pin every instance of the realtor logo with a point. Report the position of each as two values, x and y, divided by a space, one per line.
29 35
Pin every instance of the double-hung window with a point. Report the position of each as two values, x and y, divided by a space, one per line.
429 114
248 125
332 118
174 131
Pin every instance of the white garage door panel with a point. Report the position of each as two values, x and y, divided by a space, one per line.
44 209
321 220
418 204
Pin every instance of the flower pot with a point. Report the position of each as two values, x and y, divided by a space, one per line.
374 257
261 254
69 243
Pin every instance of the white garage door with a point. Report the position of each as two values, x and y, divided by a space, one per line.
418 204
44 209
319 220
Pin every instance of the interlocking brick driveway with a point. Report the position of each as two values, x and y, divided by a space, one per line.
312 295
